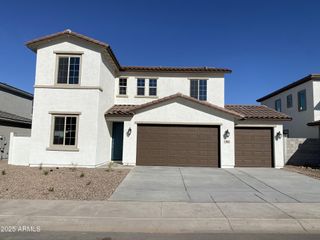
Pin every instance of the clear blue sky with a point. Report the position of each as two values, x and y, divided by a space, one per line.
266 43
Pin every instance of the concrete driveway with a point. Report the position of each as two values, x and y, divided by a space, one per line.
189 184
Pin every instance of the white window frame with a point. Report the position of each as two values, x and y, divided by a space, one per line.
126 87
63 146
57 68
198 90
144 87
153 87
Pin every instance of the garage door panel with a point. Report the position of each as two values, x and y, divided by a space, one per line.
253 147
178 145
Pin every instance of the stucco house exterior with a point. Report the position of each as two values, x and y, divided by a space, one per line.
301 101
90 110
15 115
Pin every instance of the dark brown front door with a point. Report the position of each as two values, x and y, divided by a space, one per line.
253 147
178 145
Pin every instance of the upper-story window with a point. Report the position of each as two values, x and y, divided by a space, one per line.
122 86
152 87
289 101
277 105
198 89
140 86
68 69
302 101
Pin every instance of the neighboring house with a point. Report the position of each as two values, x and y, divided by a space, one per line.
15 115
89 109
300 100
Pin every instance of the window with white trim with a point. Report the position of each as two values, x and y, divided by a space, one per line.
65 130
122 86
152 87
141 86
68 69
198 89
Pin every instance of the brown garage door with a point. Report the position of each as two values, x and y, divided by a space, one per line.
253 147
178 145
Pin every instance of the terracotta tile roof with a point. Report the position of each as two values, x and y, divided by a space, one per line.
294 84
315 123
240 111
173 69
5 116
258 112
121 110
129 110
35 42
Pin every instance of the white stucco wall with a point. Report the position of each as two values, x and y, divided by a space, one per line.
46 63
169 84
19 150
316 100
180 112
298 126
85 102
93 135
106 101
278 144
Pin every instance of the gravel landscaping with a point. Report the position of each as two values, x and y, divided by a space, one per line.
308 171
18 182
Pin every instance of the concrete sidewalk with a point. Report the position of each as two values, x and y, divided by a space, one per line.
161 217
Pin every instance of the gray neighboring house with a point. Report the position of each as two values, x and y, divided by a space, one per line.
15 115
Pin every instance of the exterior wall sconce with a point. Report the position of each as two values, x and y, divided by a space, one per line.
129 132
226 134
278 135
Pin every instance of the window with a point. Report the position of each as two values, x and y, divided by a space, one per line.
302 101
152 87
277 105
198 89
289 101
123 86
68 69
64 130
140 86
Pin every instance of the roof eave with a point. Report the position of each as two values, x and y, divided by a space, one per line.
291 85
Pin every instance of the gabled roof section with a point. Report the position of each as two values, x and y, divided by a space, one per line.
35 42
292 85
256 112
9 117
130 110
15 91
33 45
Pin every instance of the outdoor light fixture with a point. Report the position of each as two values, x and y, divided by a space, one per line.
226 134
278 135
129 132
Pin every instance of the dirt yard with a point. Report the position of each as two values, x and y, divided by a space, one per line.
311 172
18 182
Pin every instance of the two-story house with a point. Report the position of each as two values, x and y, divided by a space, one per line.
89 110
15 115
301 101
